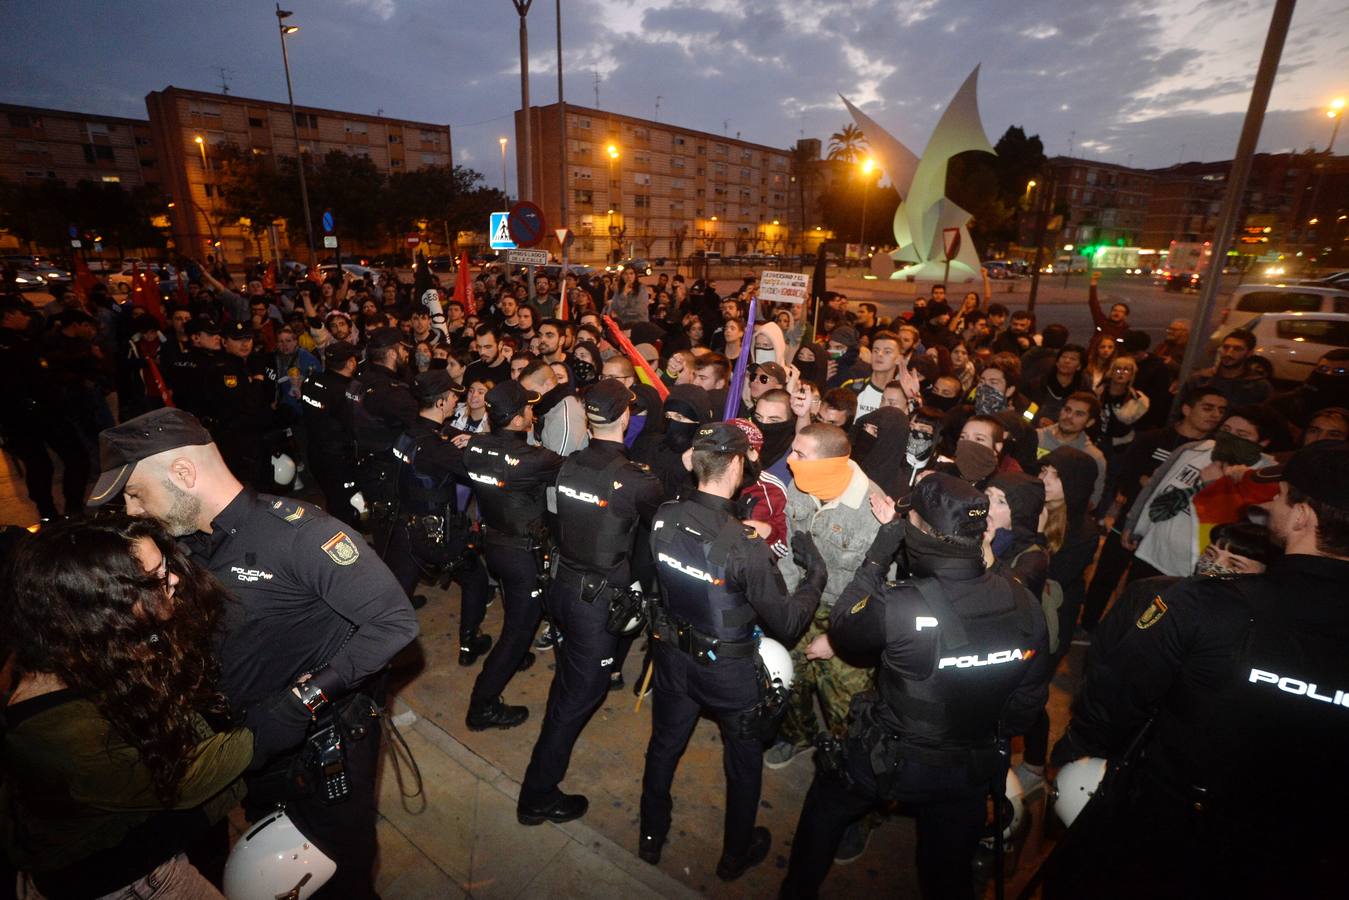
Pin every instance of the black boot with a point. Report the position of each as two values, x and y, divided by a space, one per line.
472 646
563 809
732 867
649 847
494 714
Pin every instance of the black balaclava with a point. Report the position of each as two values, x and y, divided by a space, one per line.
777 440
692 402
882 457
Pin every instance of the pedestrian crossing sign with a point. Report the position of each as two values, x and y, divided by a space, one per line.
499 234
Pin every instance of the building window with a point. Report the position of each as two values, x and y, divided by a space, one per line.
357 128
32 148
641 201
580 122
96 152
744 174
255 122
585 198
641 178
719 149
394 139
430 159
395 164
430 137
21 120
210 189
93 128
580 174
746 155
210 110
361 152
306 120
679 141
111 179
676 162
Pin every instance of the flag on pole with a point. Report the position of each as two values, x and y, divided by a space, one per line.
463 287
644 370
269 277
84 279
733 390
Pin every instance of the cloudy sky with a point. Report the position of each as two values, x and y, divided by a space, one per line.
1131 82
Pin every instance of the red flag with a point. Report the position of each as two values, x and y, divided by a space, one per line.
463 287
137 288
643 367
157 384
313 274
149 295
269 277
562 310
84 279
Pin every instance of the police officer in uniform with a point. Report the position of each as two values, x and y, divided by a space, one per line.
431 536
509 478
1240 785
386 410
962 650
302 651
602 498
328 397
237 406
717 580
187 374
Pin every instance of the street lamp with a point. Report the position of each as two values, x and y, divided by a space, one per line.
505 185
1335 113
284 29
867 165
612 152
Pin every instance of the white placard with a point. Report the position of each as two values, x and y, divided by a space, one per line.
784 287
527 257
330 241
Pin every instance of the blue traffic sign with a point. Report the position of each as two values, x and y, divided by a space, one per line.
328 221
526 224
74 232
498 232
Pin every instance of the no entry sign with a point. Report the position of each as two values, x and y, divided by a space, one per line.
526 224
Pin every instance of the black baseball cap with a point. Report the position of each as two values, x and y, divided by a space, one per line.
336 354
432 384
238 331
1319 470
952 507
606 400
122 446
721 437
507 399
202 325
387 337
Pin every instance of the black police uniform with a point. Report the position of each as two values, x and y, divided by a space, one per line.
717 580
961 650
32 419
602 498
386 409
186 377
238 413
427 502
1240 789
328 398
509 478
311 597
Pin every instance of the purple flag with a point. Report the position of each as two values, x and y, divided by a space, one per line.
741 364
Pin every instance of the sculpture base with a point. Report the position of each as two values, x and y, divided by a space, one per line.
935 270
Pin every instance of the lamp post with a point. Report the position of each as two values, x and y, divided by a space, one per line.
613 153
526 184
867 165
284 29
1335 113
505 185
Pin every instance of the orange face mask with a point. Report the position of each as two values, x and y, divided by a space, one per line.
825 479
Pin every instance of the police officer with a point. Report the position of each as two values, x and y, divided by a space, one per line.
386 410
509 478
237 405
187 374
962 650
1239 789
717 579
302 651
602 498
32 418
431 535
328 397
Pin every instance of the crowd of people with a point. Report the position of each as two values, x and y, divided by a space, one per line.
927 510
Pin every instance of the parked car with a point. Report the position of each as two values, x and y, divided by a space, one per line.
1250 300
365 273
1294 341
642 266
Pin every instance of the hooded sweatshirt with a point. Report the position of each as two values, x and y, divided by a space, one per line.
882 457
663 449
1020 552
1077 471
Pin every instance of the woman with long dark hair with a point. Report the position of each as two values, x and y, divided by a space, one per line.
111 769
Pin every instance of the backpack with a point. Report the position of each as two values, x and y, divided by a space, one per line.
1051 599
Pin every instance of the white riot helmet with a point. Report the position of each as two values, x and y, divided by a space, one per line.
1013 811
638 620
283 469
1077 783
777 662
275 860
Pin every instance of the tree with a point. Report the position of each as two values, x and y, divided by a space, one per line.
841 210
249 189
847 144
993 188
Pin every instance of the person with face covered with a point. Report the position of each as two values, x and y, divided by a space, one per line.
776 421
560 421
1014 544
928 737
829 498
1242 680
879 440
585 363
687 407
763 497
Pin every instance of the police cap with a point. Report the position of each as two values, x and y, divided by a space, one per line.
606 400
202 325
952 507
507 400
1319 471
238 331
387 337
338 353
721 437
122 446
435 383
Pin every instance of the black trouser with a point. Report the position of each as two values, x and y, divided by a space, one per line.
1113 563
344 831
727 689
517 571
950 808
336 477
471 577
585 656
28 441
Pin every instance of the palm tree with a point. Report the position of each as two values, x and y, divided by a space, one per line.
847 144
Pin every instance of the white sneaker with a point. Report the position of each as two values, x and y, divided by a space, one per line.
1031 781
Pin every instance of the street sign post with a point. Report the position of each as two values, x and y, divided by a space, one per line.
498 232
330 235
527 257
526 224
951 241
565 238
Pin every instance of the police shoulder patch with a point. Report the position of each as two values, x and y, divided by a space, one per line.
341 549
859 605
231 381
1153 614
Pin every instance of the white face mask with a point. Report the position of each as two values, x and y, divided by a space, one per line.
762 355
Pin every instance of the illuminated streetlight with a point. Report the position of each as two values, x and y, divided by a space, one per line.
505 184
868 165
1335 114
285 29
612 150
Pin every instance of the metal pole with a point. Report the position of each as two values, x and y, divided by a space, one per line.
526 142
505 182
862 233
295 128
1236 186
1041 222
562 188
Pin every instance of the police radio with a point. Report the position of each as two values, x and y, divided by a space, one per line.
327 763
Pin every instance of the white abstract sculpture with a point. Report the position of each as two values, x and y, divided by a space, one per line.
925 210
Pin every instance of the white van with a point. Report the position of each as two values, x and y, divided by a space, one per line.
1251 300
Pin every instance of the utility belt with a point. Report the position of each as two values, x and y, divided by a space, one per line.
703 647
538 542
441 540
628 608
318 766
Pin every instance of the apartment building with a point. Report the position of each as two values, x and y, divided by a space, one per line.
51 144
